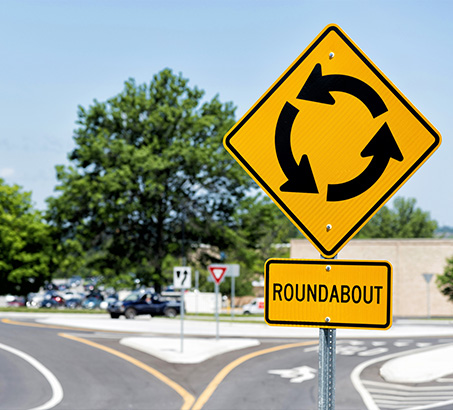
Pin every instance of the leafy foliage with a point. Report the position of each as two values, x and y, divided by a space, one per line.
148 177
404 221
445 282
25 243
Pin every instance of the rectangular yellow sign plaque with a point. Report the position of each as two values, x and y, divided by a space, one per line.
328 293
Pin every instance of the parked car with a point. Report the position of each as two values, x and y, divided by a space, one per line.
73 303
52 299
50 286
74 281
109 301
144 303
34 299
91 303
69 294
255 307
15 301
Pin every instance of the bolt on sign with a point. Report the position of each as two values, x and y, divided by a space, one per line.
328 293
331 140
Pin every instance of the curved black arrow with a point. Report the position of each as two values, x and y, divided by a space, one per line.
300 177
382 147
317 88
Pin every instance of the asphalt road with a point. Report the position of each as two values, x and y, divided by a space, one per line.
95 371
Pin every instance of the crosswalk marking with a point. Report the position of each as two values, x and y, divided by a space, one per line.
396 396
403 387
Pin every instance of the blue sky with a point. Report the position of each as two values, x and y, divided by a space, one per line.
58 54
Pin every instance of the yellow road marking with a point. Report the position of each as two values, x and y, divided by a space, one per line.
13 322
187 397
61 327
207 393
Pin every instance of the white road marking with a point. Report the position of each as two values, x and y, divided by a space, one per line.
57 390
374 352
376 386
423 344
356 342
368 399
402 343
297 374
349 350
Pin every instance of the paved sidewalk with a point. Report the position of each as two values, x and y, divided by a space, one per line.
208 328
203 328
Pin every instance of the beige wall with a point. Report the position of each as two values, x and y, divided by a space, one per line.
410 258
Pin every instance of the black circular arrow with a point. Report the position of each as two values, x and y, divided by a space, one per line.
300 177
382 146
317 88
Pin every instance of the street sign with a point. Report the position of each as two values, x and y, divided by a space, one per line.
328 293
428 277
182 277
217 272
232 270
331 140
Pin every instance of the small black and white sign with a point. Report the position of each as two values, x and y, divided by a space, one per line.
182 277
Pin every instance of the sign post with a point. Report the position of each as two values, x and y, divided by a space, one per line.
232 271
217 273
326 368
327 365
428 277
182 279
330 142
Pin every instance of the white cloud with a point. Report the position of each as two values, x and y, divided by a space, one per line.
6 172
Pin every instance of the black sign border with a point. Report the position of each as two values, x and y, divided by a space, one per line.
335 249
326 262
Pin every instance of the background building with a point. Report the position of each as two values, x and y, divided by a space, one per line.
410 258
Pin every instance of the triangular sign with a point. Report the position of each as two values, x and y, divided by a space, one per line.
217 272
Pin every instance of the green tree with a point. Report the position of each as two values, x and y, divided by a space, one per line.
404 221
26 247
445 282
148 178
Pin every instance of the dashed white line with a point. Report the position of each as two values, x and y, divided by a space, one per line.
57 390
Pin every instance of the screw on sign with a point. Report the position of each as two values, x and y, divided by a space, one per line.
331 141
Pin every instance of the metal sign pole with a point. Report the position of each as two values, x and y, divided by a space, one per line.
182 320
326 375
197 275
428 277
327 366
428 302
232 297
182 280
217 310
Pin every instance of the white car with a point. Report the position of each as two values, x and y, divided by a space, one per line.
69 294
255 307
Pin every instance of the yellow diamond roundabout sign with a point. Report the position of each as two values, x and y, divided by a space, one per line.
331 141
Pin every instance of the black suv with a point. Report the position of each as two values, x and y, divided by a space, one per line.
139 303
